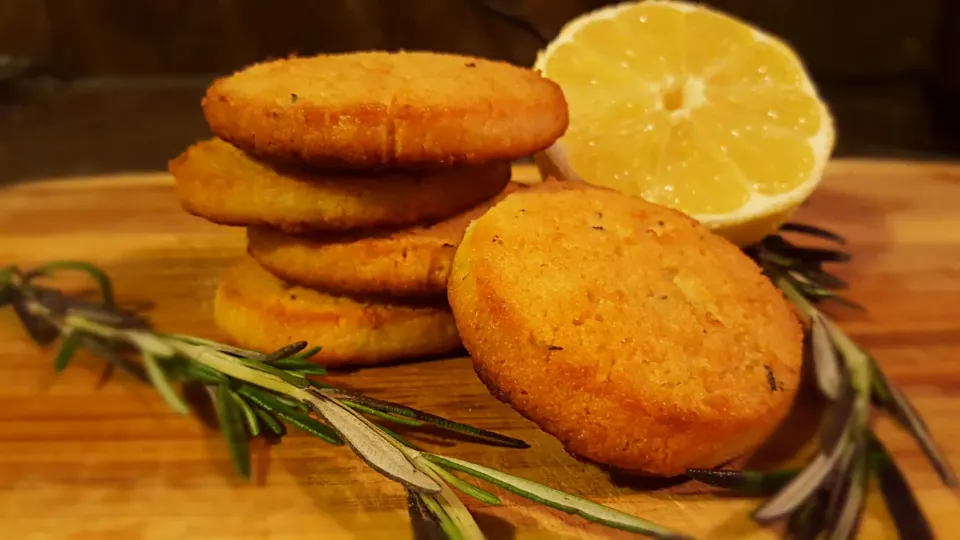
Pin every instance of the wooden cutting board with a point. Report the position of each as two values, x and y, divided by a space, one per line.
81 458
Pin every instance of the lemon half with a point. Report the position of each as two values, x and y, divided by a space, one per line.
689 108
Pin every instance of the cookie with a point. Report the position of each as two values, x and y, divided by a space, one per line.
408 262
259 311
626 330
386 110
219 182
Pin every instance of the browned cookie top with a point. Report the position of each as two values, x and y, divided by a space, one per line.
387 109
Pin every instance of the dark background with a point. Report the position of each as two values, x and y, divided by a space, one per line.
98 86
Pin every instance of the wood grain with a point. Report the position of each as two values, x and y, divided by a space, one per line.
81 458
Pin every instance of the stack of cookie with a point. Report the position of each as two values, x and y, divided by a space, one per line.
356 176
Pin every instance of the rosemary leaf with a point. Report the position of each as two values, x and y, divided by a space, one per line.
320 385
6 277
6 295
425 524
785 248
98 275
453 507
68 348
844 301
450 530
448 425
105 315
813 231
205 374
817 293
147 341
400 439
285 352
771 257
464 487
249 417
807 522
294 379
61 305
290 411
231 424
40 330
826 364
837 420
903 506
372 446
221 347
793 495
115 359
849 515
272 402
271 422
838 487
746 482
299 364
559 500
835 442
160 381
311 370
311 426
822 278
307 354
900 408
291 362
395 418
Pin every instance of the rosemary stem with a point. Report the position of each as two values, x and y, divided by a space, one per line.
794 296
451 504
7 275
853 356
91 327
221 363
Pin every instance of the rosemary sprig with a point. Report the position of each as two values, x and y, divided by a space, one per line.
262 394
826 497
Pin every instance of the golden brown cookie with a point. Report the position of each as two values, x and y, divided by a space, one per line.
625 329
217 181
408 262
259 311
387 109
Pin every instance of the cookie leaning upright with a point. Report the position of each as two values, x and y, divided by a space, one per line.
386 110
625 329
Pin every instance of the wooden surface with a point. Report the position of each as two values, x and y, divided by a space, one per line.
84 459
